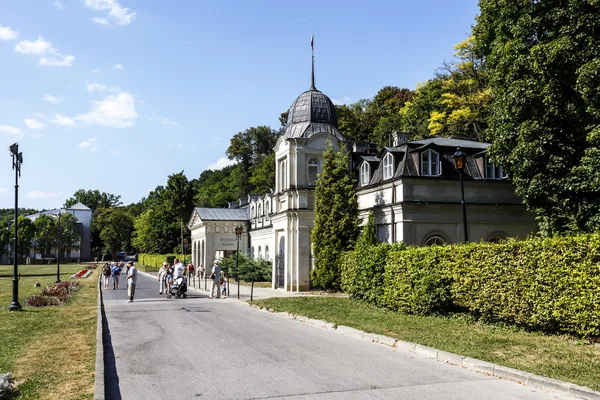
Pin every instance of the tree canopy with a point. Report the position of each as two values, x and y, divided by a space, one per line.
543 61
93 199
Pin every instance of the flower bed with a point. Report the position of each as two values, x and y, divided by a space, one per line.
56 295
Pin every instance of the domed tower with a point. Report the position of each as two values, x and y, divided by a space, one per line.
312 122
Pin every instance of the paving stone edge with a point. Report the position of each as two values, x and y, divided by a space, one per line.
99 381
499 371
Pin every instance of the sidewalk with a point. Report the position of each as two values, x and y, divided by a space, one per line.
259 293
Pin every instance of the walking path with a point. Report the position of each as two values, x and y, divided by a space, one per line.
223 349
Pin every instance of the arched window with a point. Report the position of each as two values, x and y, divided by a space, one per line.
497 238
434 240
430 163
267 209
252 252
252 215
365 173
259 210
388 166
259 253
313 171
282 176
267 253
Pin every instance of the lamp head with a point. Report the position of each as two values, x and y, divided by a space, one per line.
14 148
459 159
20 158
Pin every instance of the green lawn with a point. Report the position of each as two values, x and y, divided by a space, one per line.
51 350
557 357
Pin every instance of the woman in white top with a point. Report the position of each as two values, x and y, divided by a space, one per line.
162 275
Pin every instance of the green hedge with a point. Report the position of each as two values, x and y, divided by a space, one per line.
156 260
548 284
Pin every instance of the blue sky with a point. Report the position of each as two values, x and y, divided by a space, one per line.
115 95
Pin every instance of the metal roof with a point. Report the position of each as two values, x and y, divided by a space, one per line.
79 206
452 142
223 214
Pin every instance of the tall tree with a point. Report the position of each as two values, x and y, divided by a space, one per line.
543 59
45 233
368 236
69 233
115 227
336 218
94 199
25 233
156 231
5 236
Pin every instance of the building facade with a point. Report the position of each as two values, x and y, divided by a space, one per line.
412 188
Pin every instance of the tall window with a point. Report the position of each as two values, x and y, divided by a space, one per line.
282 176
313 171
267 253
259 211
365 174
493 171
388 166
430 163
267 210
259 253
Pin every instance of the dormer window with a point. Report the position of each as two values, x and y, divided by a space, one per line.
365 174
493 171
430 163
388 166
313 171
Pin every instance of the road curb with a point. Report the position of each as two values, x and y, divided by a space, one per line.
99 381
473 364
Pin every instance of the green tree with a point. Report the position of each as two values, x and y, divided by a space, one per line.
25 233
115 227
368 236
69 232
417 111
156 231
45 233
543 61
5 236
93 199
216 188
336 218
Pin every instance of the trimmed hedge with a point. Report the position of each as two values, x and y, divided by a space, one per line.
548 284
156 260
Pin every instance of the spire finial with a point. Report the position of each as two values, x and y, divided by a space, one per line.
312 81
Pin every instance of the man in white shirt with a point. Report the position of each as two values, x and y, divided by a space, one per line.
131 280
178 269
215 275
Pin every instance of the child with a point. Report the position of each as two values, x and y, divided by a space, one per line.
223 288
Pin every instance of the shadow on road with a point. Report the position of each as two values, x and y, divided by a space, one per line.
111 377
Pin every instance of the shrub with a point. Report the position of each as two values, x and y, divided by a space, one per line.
156 260
56 295
548 284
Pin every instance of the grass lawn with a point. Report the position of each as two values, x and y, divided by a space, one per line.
50 350
557 357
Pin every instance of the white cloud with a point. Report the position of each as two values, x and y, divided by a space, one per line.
34 124
118 13
220 163
40 46
11 130
115 111
118 66
64 121
61 61
100 87
40 115
162 120
44 47
100 21
116 152
36 194
52 99
3 190
89 145
58 5
342 101
7 34
95 71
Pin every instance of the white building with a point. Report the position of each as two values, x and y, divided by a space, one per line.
412 188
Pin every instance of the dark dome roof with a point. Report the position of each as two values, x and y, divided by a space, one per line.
312 112
313 106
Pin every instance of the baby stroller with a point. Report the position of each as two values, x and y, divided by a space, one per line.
179 287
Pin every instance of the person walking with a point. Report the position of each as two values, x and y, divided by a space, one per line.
116 273
162 277
169 279
201 271
215 275
131 280
106 275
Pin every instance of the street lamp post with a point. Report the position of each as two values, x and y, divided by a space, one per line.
238 235
460 159
17 160
58 249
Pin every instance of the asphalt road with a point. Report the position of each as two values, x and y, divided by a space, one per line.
198 348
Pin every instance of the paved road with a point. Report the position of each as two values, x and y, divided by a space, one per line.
222 349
